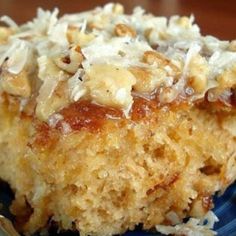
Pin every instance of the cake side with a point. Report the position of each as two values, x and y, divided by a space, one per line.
129 172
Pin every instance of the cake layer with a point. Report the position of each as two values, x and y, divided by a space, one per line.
105 178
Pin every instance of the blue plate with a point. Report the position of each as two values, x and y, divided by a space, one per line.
225 209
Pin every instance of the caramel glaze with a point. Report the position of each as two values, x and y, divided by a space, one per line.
87 115
142 108
84 115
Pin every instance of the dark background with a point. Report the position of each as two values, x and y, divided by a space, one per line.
216 17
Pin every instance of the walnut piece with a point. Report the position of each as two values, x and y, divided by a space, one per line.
5 32
110 85
53 93
18 85
161 61
227 79
71 62
77 37
123 30
50 104
232 46
198 73
147 80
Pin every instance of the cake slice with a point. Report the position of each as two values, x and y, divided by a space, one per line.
110 120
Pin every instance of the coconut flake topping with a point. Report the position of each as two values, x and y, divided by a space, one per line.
194 227
166 53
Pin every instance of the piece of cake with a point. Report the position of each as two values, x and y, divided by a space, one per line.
108 121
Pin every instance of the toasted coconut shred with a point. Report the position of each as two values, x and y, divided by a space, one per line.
74 43
194 227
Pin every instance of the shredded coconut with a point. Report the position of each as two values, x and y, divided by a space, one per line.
221 60
101 51
91 34
7 20
194 227
18 58
54 119
193 50
66 129
58 34
76 86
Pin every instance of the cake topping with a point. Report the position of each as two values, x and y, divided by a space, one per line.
106 56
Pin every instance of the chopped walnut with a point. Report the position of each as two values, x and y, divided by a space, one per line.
54 92
161 61
228 78
49 104
124 30
147 80
77 37
232 46
198 73
71 62
18 85
152 57
168 95
5 32
110 85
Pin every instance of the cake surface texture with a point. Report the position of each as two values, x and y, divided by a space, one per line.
109 120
